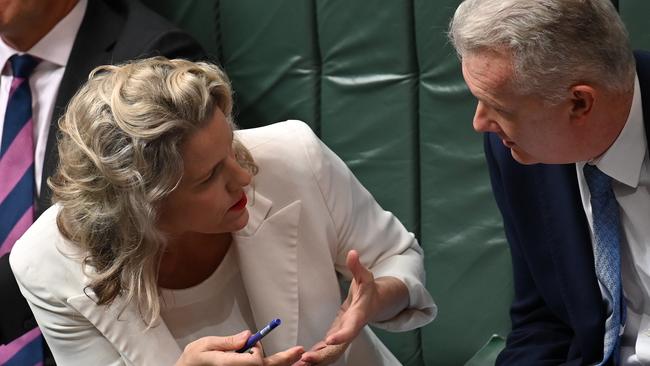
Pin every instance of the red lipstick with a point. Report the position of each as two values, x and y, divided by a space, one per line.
240 204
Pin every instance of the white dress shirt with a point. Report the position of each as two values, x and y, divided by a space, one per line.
626 161
54 51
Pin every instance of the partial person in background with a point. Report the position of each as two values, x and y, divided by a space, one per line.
170 227
47 49
563 102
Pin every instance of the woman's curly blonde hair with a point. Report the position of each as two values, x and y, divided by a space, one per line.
119 155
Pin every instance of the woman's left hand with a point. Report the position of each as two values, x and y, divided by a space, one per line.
322 354
359 307
368 300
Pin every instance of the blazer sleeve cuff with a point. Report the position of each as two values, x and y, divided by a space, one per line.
421 309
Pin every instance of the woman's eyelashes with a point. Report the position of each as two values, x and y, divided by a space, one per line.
214 173
219 167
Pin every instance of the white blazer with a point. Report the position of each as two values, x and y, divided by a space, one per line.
307 210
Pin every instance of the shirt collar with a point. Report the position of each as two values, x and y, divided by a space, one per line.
56 45
624 159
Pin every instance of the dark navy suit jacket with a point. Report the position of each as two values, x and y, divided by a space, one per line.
558 316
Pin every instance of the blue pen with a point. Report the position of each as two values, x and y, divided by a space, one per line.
259 335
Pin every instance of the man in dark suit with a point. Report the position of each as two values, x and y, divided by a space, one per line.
562 106
68 38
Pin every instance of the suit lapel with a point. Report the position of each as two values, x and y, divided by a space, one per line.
567 230
93 46
127 332
267 251
565 234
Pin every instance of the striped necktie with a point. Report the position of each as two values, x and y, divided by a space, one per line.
17 186
17 156
607 257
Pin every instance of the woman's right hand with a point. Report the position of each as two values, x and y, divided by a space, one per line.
213 351
209 351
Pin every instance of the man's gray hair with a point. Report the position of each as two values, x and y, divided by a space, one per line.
554 43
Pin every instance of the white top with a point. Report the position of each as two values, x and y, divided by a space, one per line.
217 306
54 51
626 161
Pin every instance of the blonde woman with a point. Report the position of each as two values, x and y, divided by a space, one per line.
170 230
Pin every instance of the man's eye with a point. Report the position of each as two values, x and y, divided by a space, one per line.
502 112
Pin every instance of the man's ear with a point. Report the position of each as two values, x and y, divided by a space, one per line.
582 102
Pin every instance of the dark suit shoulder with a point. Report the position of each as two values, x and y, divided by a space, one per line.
144 33
112 32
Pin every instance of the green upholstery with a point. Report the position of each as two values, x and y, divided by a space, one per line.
635 14
381 86
379 83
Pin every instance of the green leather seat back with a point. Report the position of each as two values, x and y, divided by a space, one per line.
468 263
635 14
379 83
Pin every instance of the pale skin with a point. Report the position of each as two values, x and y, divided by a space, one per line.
199 217
209 351
368 300
581 127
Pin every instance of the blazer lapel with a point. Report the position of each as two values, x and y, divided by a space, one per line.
93 46
268 253
128 334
